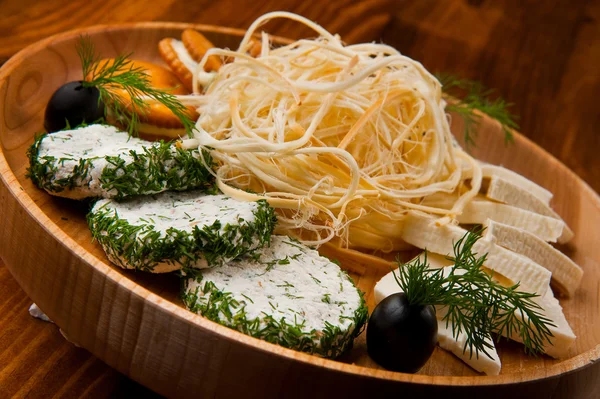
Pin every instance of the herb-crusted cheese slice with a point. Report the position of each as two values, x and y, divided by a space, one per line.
101 161
289 295
175 230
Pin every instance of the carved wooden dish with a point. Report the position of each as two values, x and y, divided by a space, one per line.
136 323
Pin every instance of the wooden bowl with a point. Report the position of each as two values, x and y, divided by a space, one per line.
135 322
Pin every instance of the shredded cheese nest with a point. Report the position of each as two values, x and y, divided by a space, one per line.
342 139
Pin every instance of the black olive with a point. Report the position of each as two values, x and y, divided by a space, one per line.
401 337
73 104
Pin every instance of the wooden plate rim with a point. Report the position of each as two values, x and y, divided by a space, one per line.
573 364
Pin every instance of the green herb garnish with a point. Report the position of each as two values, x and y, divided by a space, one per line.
467 98
474 303
123 74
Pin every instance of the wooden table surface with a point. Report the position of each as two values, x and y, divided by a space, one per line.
541 56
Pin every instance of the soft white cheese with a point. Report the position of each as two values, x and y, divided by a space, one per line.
181 210
173 211
290 281
92 143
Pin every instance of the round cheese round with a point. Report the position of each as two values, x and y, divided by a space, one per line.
174 230
285 294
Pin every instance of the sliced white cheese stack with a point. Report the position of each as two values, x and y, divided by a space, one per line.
505 191
565 273
480 209
480 362
559 347
422 231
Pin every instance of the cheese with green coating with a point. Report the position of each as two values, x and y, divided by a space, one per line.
101 161
287 294
174 230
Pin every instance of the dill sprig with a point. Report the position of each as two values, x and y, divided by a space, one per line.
474 304
468 97
122 74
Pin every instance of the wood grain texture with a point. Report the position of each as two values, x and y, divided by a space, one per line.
540 56
134 321
446 35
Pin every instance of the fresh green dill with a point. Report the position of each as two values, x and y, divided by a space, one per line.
248 298
272 263
293 296
294 243
122 74
285 284
474 304
470 98
326 298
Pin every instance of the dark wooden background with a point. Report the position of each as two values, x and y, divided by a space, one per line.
543 56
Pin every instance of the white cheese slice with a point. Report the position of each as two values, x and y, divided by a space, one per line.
565 273
503 190
489 171
388 285
480 209
500 189
563 336
546 228
290 296
480 362
422 231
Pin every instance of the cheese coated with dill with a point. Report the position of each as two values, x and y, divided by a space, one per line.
286 294
174 230
101 161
